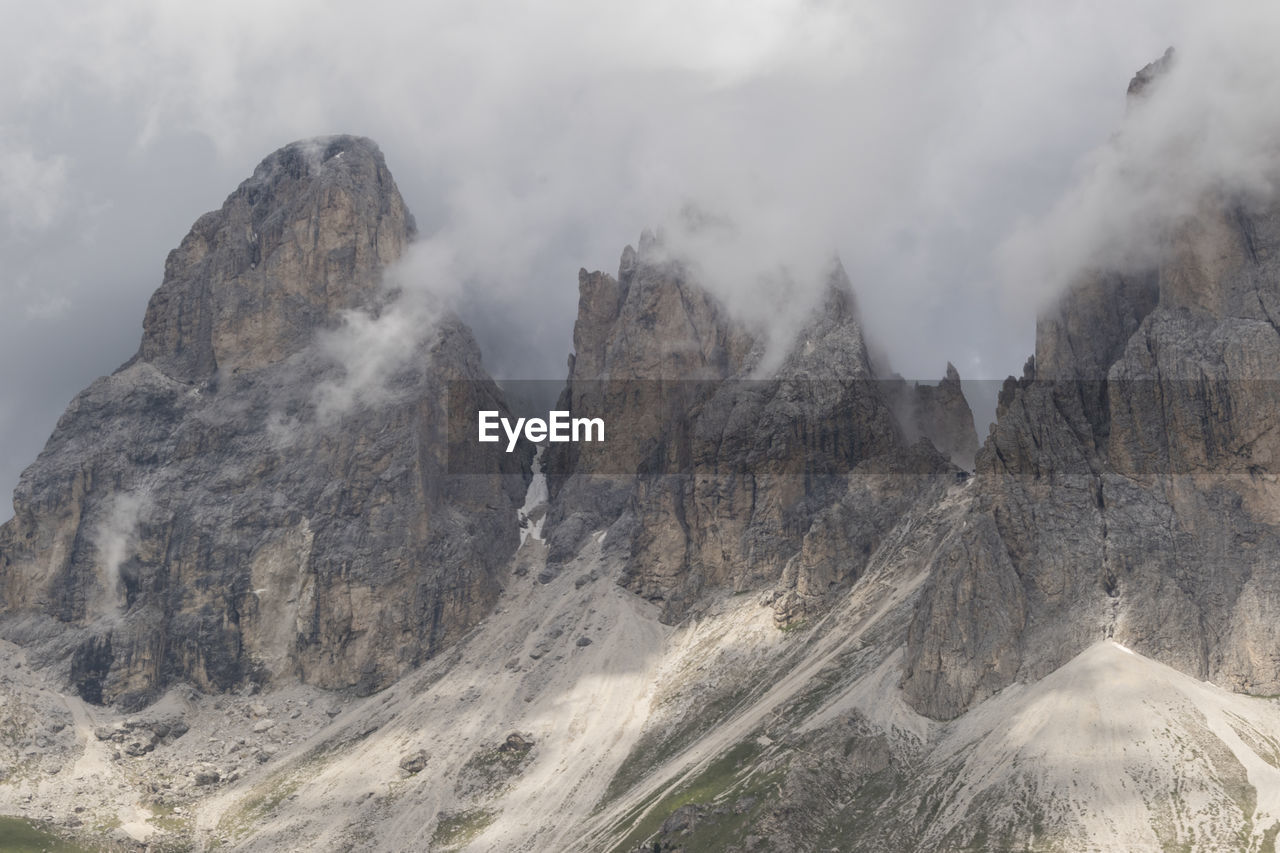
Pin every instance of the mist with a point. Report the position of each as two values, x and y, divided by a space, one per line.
1206 129
114 537
960 161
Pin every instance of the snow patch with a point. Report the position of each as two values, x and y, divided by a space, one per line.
534 499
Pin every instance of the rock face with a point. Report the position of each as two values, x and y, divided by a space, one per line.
192 518
307 236
648 347
719 474
1149 73
1129 490
939 413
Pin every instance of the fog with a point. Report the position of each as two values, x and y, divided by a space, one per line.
964 161
114 538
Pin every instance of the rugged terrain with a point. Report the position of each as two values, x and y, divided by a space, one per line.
721 472
789 605
208 513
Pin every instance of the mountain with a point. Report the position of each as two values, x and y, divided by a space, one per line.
196 516
1128 490
724 473
788 605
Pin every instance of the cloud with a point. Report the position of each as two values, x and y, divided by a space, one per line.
923 141
115 537
33 187
1206 128
373 345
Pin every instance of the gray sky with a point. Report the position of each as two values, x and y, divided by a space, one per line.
939 147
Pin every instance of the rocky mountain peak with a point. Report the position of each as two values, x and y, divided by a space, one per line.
1150 73
726 469
839 301
1128 490
227 535
831 343
941 414
302 239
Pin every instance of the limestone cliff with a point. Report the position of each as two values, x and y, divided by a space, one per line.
939 413
721 474
192 518
1129 489
305 237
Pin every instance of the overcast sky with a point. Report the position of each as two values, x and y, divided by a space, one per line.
937 146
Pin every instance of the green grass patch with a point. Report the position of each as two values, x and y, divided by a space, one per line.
261 802
265 797
490 771
163 816
19 835
458 828
715 831
655 748
1268 842
719 778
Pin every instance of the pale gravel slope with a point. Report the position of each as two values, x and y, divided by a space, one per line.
1131 753
582 706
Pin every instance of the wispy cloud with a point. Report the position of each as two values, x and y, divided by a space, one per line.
1208 127
373 345
33 186
115 538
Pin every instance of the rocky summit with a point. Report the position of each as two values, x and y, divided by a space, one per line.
722 475
254 599
193 519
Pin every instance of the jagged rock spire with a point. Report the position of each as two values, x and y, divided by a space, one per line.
302 239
